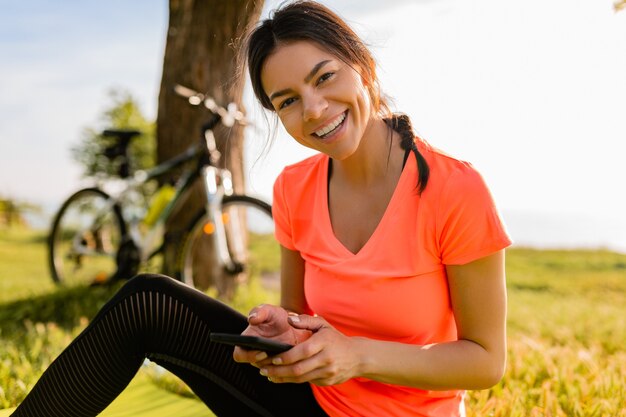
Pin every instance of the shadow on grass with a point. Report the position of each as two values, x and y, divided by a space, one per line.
64 306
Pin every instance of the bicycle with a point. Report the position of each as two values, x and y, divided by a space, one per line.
105 232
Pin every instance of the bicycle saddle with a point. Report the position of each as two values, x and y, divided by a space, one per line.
120 148
121 134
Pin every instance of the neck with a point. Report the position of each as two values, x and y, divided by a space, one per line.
373 160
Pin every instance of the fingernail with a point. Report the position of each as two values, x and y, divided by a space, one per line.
263 372
252 315
277 361
260 356
295 319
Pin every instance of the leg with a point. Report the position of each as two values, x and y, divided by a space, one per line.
159 318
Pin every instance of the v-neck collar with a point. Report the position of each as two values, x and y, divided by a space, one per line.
408 173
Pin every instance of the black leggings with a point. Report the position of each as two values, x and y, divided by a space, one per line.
158 318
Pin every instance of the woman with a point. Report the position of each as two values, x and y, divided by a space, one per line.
393 288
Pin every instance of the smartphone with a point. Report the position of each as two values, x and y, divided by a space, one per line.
269 346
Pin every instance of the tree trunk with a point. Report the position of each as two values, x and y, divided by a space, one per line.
199 55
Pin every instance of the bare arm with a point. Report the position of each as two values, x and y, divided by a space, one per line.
292 281
476 360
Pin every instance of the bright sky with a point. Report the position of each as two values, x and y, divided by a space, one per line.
532 93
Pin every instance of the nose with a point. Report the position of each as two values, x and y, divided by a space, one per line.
313 106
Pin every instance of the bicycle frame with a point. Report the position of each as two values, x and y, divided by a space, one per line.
215 191
141 240
217 183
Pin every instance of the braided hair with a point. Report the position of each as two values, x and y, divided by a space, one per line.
401 123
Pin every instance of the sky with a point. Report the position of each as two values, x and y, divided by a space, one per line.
532 93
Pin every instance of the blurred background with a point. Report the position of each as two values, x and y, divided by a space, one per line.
532 93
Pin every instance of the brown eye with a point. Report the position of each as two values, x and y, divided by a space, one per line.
286 103
324 77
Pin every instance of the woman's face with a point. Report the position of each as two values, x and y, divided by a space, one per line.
321 101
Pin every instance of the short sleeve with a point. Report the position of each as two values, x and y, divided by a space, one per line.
280 213
469 225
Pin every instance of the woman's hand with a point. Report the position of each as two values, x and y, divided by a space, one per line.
270 322
326 358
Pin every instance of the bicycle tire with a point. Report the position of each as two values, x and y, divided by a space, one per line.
85 239
259 265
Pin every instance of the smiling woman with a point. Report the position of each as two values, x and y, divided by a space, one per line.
392 268
351 221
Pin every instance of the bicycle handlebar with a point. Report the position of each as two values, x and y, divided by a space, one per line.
228 115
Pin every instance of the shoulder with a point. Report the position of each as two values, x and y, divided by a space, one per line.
447 171
467 224
302 173
306 164
442 162
300 181
296 192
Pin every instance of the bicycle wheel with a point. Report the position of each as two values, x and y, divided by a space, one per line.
251 245
85 239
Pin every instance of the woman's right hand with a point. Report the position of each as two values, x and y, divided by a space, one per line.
270 322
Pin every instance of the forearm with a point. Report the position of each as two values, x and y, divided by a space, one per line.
461 364
292 296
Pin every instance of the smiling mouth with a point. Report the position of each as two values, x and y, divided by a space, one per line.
332 127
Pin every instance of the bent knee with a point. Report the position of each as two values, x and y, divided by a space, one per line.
148 282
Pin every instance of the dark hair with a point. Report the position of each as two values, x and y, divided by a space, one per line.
306 20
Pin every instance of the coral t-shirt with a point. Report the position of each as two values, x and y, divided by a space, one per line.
395 288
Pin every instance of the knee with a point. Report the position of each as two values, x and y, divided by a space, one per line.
147 282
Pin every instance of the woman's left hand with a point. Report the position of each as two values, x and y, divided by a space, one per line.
328 357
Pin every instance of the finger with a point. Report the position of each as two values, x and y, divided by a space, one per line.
263 363
303 371
259 314
306 322
298 356
318 376
267 314
248 356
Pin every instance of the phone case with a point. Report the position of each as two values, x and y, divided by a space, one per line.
251 342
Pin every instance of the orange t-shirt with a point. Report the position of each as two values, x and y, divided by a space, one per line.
395 288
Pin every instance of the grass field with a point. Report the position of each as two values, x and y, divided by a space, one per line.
567 329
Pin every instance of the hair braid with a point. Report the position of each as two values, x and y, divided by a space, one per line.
401 123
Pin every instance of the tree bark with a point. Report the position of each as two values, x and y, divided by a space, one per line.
199 54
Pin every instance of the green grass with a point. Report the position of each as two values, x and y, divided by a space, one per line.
567 328
566 333
37 319
23 265
568 297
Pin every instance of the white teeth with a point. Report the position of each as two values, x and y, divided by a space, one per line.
332 126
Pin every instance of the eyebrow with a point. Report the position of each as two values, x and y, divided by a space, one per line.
311 74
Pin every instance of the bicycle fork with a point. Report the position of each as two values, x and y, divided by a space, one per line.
217 219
